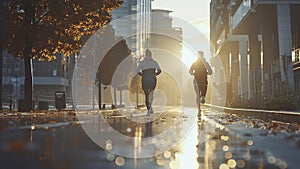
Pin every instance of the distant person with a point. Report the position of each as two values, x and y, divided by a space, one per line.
11 102
148 69
200 69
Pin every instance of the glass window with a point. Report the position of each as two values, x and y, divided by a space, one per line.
54 72
4 69
133 7
295 55
17 66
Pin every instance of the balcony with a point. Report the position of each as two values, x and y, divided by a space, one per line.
59 81
241 12
276 2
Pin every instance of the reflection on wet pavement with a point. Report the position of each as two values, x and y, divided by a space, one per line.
59 142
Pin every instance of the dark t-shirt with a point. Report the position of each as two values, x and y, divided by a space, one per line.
199 72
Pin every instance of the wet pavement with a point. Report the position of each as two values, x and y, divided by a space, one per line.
212 139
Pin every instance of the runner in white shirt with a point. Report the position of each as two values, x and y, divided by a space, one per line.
148 69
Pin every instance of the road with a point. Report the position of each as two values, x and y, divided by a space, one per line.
170 138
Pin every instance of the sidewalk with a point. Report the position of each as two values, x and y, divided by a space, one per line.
213 140
273 135
287 116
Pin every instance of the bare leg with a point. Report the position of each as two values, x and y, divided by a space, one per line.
151 93
203 89
197 93
147 99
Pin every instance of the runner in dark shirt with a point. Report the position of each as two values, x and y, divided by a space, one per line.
200 69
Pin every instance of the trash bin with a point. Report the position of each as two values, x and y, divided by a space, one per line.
60 100
43 105
22 107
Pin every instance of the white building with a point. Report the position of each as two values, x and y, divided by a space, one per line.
132 23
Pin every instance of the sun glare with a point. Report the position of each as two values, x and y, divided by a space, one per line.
186 157
188 56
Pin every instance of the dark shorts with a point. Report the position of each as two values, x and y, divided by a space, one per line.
148 83
201 82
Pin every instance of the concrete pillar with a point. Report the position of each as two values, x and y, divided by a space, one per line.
270 50
225 62
224 77
218 80
285 44
254 72
243 52
234 72
115 96
121 97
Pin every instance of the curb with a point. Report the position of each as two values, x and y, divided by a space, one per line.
286 116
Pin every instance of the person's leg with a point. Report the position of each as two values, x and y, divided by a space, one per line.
203 89
146 91
151 86
151 93
145 87
196 87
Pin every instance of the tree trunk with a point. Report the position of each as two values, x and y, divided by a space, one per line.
29 21
28 80
1 53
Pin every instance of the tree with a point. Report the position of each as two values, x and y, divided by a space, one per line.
111 60
136 85
41 28
1 53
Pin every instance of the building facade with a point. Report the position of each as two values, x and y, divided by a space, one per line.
252 45
48 78
131 22
140 25
166 42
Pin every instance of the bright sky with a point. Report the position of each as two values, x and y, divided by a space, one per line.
190 10
195 12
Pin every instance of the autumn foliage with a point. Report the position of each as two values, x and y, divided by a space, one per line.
41 28
55 26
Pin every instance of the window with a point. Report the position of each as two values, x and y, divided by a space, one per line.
4 69
17 67
133 7
295 55
54 72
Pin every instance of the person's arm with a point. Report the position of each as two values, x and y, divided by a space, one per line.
139 70
157 72
192 70
157 68
208 68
